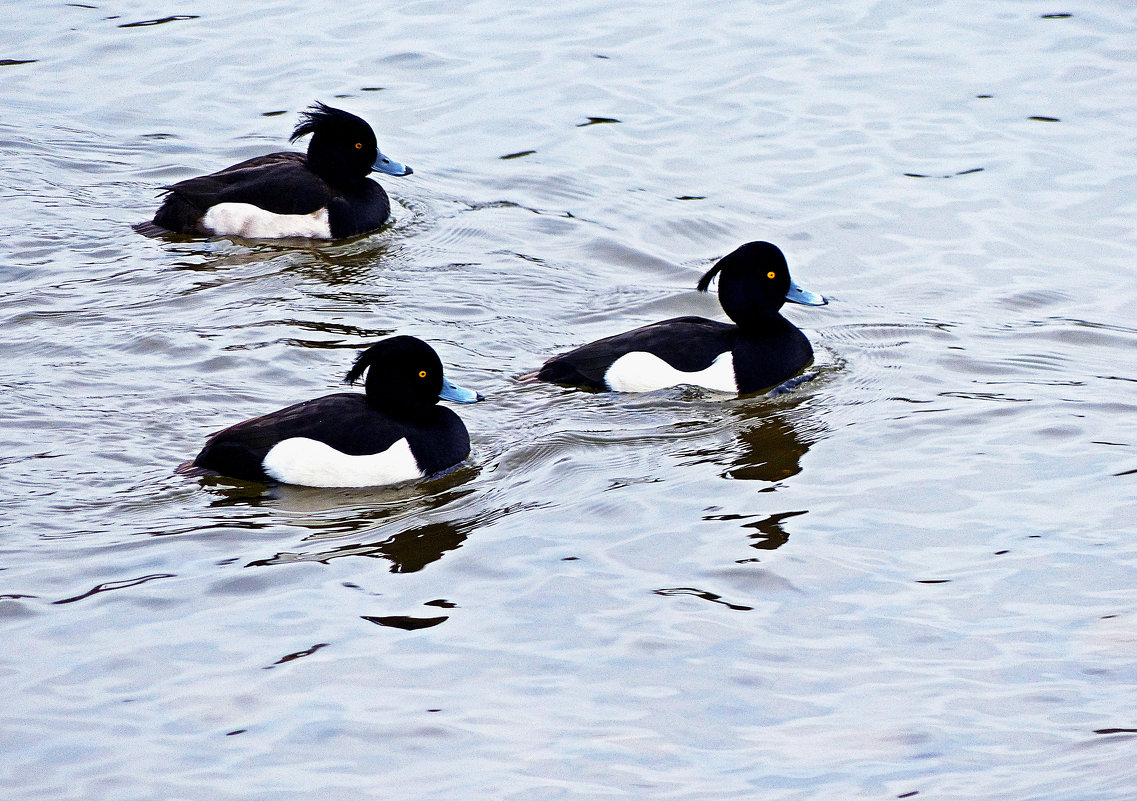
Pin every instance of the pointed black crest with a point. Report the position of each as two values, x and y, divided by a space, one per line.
705 282
317 115
362 362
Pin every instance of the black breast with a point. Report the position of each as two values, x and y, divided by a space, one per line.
360 211
438 441
764 360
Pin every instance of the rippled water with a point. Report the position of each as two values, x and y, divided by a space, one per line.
913 576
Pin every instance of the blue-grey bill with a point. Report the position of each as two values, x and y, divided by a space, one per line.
796 294
457 394
384 164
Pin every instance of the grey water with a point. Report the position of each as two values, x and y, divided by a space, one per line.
912 576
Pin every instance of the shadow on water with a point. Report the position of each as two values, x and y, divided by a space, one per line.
337 263
408 551
334 336
768 532
770 448
342 509
358 515
771 435
326 335
770 445
347 263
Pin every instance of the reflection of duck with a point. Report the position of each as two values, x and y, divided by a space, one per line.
771 444
771 437
771 450
408 551
771 447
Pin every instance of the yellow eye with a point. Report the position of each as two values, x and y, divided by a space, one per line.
422 373
359 145
771 274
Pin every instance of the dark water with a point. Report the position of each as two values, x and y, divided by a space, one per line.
913 574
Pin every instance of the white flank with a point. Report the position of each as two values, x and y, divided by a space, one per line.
639 371
311 463
245 219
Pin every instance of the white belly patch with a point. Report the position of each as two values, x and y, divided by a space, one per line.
640 371
310 463
245 219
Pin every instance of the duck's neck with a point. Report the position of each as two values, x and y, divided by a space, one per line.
334 174
409 412
764 325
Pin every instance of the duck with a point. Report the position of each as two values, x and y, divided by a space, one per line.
322 194
760 350
393 432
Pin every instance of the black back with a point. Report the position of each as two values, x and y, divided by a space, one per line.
346 422
689 344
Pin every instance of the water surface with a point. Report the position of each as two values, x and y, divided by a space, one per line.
914 574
